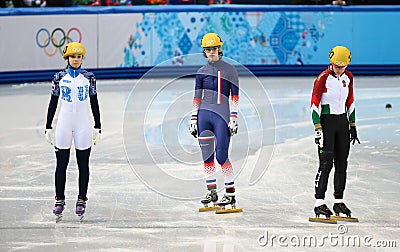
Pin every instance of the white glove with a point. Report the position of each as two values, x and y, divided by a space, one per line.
193 126
49 134
233 125
96 135
319 139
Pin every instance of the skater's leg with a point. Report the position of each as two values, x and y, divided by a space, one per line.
62 156
342 148
206 141
209 172
82 157
228 174
222 145
322 177
325 155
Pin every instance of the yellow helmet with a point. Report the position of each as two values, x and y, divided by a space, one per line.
340 56
211 40
73 48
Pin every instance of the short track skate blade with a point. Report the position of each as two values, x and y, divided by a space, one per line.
229 210
58 218
81 217
341 218
206 209
322 220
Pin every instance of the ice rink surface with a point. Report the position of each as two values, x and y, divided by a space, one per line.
146 174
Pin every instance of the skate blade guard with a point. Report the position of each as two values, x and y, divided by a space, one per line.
210 208
342 218
322 220
229 210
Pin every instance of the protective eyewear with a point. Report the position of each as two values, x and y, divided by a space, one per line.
211 49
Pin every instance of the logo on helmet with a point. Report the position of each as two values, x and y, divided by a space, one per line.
77 50
210 42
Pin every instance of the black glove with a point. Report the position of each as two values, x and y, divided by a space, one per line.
353 135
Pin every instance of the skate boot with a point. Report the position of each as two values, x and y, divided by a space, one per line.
228 199
212 196
58 209
80 208
324 210
341 208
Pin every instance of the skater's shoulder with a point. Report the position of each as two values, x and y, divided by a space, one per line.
87 74
60 74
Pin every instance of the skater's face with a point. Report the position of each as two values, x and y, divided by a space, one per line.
75 60
212 53
339 70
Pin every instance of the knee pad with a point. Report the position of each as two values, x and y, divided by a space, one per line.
206 141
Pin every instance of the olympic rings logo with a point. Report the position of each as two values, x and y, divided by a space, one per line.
57 39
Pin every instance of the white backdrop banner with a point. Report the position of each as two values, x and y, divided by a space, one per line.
36 42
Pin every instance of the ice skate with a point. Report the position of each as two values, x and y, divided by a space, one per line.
322 210
211 197
339 208
80 208
228 199
58 209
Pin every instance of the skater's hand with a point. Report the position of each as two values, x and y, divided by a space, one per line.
233 125
193 126
318 137
353 135
49 134
96 136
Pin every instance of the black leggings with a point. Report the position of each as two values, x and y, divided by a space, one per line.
335 151
82 157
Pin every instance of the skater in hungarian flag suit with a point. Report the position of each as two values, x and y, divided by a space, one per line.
333 115
213 120
76 89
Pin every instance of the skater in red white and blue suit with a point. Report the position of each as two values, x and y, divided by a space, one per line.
213 120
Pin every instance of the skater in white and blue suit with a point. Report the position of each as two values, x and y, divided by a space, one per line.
76 89
213 120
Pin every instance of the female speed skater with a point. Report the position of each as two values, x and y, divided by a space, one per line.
333 115
213 120
76 88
